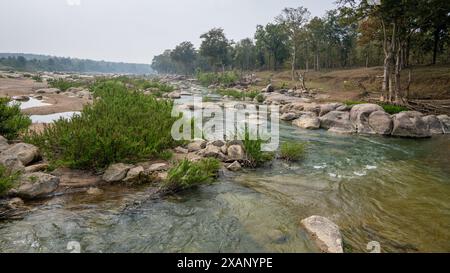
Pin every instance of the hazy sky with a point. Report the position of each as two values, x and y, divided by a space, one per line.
130 30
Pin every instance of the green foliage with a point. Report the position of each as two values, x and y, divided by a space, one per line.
215 47
141 84
12 121
260 98
292 151
63 85
224 79
393 109
37 78
123 126
7 180
253 149
189 174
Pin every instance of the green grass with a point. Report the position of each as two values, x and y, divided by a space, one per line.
292 151
393 109
12 121
187 174
123 126
7 180
37 78
64 85
253 149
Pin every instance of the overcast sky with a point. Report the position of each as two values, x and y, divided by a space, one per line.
130 30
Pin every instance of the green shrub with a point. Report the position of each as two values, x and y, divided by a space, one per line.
37 78
123 126
142 84
6 180
227 78
189 174
253 149
292 151
12 121
393 109
260 98
63 85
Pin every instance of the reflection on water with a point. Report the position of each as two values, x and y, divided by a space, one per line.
52 117
31 103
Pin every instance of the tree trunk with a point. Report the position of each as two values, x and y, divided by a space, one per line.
436 44
293 62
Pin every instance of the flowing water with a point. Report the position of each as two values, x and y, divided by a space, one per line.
389 190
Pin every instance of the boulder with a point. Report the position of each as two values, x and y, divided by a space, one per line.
158 167
181 150
289 116
235 153
325 234
116 172
337 122
359 116
212 151
11 162
326 108
48 91
217 143
269 88
26 153
410 124
3 144
21 98
344 108
196 146
234 167
36 185
445 121
308 121
134 174
380 123
434 125
36 168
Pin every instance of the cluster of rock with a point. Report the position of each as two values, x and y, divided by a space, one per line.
78 92
232 153
22 158
364 119
144 172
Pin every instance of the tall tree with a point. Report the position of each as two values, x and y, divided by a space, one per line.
294 19
274 39
215 47
184 54
245 54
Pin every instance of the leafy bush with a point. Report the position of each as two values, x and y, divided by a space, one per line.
253 149
292 151
12 121
225 79
37 78
142 84
63 85
393 109
122 126
189 174
6 180
260 98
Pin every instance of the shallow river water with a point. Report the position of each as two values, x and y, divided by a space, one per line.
392 191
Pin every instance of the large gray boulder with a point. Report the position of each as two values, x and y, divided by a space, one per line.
116 172
36 185
3 144
445 121
326 108
337 122
325 234
410 124
12 163
26 153
434 125
308 121
235 153
359 116
380 123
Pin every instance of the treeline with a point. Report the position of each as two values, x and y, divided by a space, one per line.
389 33
27 62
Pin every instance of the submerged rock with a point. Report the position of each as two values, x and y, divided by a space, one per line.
36 185
325 234
410 124
116 172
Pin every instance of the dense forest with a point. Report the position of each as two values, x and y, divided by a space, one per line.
32 62
395 34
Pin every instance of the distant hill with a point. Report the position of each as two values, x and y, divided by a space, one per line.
36 62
